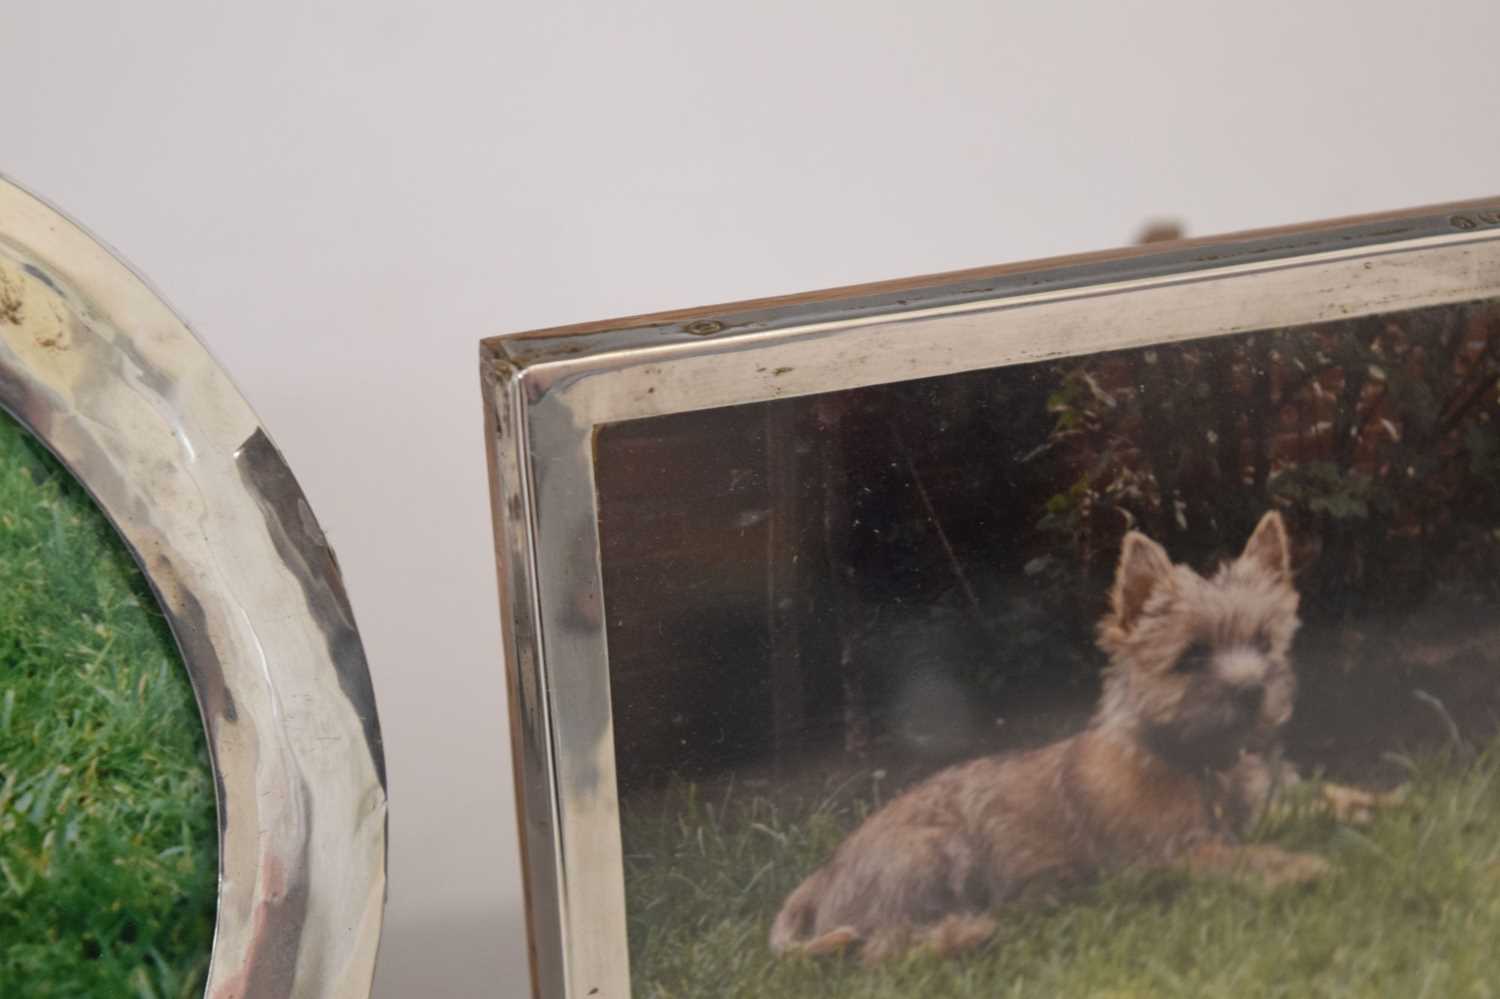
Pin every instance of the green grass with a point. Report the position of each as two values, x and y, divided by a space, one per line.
1411 909
108 843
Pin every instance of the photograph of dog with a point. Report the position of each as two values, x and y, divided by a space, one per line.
1176 761
1169 671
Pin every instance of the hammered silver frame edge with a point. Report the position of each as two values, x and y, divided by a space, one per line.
99 368
546 393
531 741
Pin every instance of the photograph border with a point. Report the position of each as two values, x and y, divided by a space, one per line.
547 392
96 366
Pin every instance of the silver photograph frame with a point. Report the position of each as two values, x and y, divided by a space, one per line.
548 392
113 383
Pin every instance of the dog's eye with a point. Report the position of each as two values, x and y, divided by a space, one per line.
1195 658
1262 643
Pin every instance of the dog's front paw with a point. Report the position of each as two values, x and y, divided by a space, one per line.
1356 806
1295 869
1258 865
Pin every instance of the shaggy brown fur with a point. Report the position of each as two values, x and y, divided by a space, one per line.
1173 765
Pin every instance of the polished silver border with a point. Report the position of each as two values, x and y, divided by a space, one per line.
546 393
95 364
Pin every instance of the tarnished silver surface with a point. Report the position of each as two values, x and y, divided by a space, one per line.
546 392
97 366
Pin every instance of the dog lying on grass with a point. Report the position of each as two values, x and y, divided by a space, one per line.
1177 761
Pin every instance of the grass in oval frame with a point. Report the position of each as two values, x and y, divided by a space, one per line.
108 833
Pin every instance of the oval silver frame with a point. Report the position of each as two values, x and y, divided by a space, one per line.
95 364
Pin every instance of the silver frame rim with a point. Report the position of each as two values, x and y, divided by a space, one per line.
101 370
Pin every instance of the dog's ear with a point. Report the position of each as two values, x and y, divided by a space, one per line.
1268 548
1143 567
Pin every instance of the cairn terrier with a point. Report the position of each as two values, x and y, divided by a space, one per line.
1179 757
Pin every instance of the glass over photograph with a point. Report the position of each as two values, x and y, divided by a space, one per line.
1165 671
108 836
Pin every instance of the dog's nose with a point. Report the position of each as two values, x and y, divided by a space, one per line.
1249 697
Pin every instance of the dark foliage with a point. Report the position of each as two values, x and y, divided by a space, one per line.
1377 436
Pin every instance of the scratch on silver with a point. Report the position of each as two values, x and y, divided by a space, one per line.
100 369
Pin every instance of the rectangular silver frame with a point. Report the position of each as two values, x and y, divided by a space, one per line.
546 392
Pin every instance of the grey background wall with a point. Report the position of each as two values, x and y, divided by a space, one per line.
343 197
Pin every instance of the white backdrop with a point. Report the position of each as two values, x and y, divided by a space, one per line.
343 197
